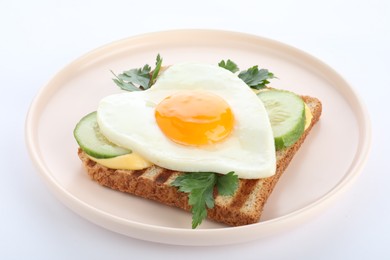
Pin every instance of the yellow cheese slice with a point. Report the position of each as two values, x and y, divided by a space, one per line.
309 116
131 161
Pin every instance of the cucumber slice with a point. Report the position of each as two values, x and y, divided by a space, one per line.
286 112
93 142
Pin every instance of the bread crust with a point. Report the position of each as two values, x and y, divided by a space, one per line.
243 208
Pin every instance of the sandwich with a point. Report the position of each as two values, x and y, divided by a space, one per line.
208 139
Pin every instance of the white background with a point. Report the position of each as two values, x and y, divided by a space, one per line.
38 38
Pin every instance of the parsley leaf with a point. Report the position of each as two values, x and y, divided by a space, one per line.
229 65
134 79
156 70
138 79
200 187
256 78
227 184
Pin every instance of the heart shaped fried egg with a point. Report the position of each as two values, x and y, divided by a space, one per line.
195 118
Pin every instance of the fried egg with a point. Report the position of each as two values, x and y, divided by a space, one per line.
195 118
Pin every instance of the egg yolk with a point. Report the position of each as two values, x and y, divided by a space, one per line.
194 118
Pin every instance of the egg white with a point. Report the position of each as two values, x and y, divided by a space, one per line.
128 120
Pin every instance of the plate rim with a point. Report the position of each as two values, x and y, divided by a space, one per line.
188 236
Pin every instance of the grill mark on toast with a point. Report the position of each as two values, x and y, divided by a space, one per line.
91 163
164 175
242 195
137 173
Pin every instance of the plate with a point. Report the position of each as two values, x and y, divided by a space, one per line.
328 162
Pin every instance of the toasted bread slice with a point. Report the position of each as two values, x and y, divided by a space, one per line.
244 207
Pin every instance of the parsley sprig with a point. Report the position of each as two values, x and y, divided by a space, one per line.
254 77
229 65
200 188
138 79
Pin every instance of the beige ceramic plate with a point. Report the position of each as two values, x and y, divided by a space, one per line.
332 156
